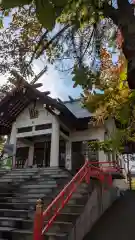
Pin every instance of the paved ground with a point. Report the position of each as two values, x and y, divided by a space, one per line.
118 222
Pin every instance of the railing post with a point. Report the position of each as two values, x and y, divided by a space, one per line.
38 221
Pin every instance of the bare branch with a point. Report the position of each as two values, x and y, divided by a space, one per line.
52 40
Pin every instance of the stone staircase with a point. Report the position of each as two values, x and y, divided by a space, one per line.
17 207
2 172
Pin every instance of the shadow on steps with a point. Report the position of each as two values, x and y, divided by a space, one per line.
118 222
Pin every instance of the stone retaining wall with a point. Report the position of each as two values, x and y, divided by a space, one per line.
98 202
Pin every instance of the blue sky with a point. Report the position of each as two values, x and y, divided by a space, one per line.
59 84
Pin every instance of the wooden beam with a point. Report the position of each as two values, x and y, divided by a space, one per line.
37 85
46 93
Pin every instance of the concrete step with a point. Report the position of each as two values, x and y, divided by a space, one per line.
5 232
47 200
30 195
16 205
77 195
2 194
11 181
51 171
35 191
16 177
25 170
28 235
19 200
15 213
64 226
6 229
42 178
21 173
10 221
59 176
5 180
28 224
37 186
69 208
67 217
17 209
3 173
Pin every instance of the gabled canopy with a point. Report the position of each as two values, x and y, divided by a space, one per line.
17 100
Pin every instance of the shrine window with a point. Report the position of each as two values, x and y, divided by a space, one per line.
24 129
43 127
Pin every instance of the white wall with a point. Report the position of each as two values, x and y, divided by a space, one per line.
93 133
90 134
24 118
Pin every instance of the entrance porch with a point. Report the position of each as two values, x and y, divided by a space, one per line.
37 151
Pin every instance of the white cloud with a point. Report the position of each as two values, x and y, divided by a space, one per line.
60 85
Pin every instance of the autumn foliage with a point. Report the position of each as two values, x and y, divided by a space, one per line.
112 81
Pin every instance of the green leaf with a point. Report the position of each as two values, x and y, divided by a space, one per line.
124 113
82 76
123 75
6 13
132 94
59 3
14 3
46 13
1 23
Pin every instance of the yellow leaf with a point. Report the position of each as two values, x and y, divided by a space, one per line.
123 75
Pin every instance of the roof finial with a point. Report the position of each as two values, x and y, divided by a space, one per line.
71 99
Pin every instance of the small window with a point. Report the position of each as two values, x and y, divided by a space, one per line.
43 126
24 129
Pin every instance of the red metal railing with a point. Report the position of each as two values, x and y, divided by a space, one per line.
103 173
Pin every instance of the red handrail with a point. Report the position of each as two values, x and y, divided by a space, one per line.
53 210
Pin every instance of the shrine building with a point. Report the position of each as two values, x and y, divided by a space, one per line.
50 132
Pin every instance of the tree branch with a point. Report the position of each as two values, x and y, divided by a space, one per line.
52 40
38 45
89 42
